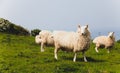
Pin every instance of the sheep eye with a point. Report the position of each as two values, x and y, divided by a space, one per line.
40 37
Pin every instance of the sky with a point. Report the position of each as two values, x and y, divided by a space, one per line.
102 16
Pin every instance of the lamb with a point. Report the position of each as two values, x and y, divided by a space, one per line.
44 38
78 41
104 42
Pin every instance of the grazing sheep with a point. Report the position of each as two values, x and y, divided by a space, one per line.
72 41
104 41
45 38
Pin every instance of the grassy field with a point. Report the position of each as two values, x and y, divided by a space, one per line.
19 54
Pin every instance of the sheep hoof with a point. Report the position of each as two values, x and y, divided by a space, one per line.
74 61
86 61
108 51
96 50
55 59
42 50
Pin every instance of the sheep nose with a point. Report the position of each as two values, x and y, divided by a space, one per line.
82 33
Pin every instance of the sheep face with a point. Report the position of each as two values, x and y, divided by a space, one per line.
111 34
38 39
82 30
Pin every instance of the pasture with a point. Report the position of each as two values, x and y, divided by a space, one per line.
20 54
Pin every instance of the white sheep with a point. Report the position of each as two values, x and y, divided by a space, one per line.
104 41
72 41
45 38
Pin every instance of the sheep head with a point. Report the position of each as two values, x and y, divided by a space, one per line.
82 30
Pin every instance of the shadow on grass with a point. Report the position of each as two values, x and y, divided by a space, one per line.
89 59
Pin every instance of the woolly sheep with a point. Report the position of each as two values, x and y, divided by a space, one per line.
45 38
72 41
104 41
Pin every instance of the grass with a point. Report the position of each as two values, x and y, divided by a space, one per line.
20 54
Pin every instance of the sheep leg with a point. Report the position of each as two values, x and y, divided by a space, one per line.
108 51
42 45
96 49
84 56
74 59
55 53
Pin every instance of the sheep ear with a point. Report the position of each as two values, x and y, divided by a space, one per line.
78 25
87 25
113 32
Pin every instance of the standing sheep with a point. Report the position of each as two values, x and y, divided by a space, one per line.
45 38
104 41
72 41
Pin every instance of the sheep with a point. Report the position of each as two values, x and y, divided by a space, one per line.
104 42
45 38
72 41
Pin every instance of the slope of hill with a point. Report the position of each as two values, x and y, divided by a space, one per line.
19 54
11 28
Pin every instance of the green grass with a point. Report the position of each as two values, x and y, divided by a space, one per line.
20 54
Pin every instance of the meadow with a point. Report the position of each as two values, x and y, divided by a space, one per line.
20 54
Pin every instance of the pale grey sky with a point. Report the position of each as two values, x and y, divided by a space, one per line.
101 15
